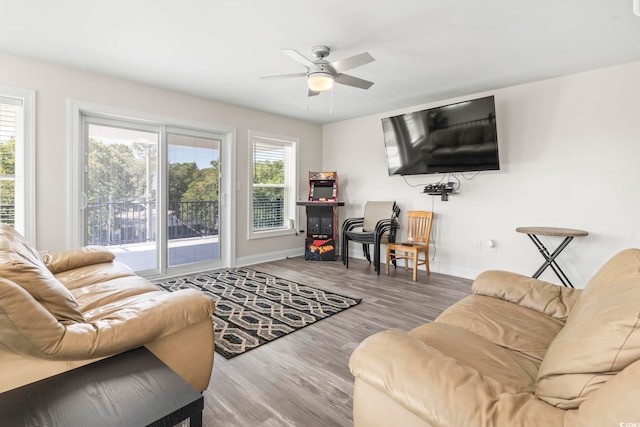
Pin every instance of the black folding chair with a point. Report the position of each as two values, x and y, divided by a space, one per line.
377 226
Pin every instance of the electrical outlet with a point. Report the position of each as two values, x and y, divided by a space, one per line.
491 245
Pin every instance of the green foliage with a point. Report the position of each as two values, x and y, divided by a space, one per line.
8 157
268 202
191 186
204 185
180 176
118 172
268 172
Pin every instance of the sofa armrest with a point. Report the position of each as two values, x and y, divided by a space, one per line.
615 403
108 330
58 262
133 322
544 297
440 390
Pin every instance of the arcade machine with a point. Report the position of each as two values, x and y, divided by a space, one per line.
322 216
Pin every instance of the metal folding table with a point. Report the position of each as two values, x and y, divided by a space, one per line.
550 257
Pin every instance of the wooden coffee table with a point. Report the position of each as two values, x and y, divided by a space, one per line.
130 389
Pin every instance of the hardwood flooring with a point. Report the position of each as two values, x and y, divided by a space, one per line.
303 379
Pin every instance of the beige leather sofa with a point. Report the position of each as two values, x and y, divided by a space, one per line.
71 308
517 352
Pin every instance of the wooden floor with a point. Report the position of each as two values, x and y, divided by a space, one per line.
303 379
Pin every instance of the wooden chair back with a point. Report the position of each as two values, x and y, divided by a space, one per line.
418 226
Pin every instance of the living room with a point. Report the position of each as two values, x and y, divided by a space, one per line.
568 145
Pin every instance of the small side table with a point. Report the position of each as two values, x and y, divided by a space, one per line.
134 388
550 257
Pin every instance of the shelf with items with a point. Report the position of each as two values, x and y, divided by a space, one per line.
440 189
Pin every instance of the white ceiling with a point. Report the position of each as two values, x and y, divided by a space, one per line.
425 50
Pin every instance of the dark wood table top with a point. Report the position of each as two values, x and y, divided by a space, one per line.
552 231
130 389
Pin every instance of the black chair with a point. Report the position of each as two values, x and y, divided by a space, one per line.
377 226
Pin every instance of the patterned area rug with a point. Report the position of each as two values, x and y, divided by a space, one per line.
254 308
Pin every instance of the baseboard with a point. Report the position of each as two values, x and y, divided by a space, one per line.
454 270
436 267
269 256
450 270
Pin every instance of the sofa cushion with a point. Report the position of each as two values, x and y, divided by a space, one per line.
514 372
100 294
76 258
433 374
22 265
93 274
601 336
517 328
544 297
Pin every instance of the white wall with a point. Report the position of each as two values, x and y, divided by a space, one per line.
570 157
569 149
55 85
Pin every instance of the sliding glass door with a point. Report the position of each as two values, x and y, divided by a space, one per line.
121 191
193 220
151 194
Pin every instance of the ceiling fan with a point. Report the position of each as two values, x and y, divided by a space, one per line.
321 74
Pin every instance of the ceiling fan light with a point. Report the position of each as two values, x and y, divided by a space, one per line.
320 81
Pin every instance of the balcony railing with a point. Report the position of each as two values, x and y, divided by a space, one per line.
7 200
118 223
7 213
268 213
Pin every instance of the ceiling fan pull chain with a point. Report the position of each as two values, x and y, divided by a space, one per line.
331 109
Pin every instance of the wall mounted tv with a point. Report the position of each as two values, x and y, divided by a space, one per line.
459 137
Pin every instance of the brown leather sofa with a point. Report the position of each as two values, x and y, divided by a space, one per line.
71 308
517 352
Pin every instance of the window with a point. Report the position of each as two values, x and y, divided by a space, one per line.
17 160
152 188
272 198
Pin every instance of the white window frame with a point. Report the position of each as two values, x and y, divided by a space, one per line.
291 183
25 174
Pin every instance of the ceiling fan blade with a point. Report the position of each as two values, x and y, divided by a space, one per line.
348 80
313 93
284 76
352 62
298 57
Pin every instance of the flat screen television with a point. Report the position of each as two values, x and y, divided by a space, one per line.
458 137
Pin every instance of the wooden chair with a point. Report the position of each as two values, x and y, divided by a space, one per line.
416 242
